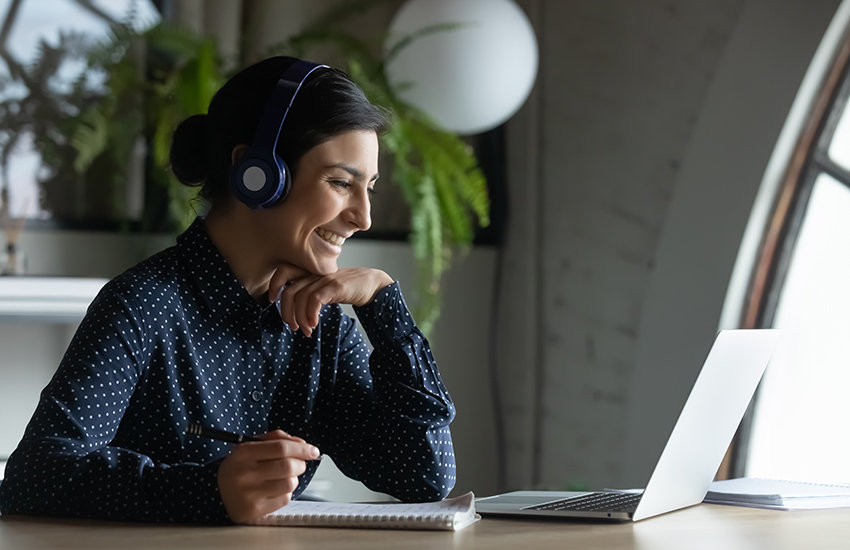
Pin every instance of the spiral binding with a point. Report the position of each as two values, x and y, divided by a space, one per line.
359 520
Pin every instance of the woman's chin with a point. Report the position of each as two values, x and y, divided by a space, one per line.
323 268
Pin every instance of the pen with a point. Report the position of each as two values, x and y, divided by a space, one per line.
221 435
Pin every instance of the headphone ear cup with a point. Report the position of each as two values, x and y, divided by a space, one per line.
262 179
254 182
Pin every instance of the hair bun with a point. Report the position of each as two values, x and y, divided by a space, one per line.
188 154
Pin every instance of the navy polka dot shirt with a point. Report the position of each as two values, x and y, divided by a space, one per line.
178 340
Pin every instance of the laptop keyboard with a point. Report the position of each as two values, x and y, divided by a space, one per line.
594 502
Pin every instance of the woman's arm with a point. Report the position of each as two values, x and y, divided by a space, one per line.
66 464
389 424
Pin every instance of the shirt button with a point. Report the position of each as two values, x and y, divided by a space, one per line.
387 316
256 395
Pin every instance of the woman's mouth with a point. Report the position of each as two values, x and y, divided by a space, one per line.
329 237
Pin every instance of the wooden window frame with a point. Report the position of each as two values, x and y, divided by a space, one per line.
809 159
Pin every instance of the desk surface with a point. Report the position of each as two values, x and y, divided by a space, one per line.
704 526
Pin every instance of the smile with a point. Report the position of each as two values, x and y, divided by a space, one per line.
332 238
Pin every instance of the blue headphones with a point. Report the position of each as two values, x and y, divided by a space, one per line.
260 178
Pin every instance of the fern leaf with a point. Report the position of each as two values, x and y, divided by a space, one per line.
89 139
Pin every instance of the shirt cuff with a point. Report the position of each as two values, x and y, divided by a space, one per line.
186 493
386 318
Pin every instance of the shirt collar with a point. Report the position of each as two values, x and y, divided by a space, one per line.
216 282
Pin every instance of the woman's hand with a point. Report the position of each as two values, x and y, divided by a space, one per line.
303 296
259 477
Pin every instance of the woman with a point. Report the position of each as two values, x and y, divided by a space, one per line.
193 334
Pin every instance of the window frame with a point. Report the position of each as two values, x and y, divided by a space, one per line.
809 159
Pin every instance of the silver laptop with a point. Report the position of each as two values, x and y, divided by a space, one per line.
693 453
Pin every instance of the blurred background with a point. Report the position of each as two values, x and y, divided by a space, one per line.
656 170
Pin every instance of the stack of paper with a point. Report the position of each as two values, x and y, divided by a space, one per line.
777 495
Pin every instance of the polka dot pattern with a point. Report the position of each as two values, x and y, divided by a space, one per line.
177 340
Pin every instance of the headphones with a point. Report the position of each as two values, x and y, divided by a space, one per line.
260 178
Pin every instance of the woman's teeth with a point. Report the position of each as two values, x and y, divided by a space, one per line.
332 238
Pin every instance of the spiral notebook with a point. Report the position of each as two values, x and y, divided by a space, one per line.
452 514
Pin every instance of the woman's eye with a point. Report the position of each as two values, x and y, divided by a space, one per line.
371 191
343 184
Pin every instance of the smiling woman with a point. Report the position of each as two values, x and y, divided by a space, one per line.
286 158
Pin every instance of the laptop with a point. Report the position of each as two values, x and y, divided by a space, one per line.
693 452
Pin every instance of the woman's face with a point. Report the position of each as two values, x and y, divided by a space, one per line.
328 202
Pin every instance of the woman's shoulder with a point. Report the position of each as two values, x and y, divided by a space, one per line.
159 274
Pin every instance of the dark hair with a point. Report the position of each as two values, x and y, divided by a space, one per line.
329 104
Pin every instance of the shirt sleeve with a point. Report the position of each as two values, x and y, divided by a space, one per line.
389 427
65 464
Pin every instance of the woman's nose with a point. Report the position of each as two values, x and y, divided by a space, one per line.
360 210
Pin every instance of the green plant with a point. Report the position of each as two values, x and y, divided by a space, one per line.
154 80
436 170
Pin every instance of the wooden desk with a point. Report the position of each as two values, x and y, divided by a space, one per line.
700 527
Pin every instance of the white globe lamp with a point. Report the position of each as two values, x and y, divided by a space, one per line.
468 79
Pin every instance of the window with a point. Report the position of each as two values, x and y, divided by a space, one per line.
798 427
42 53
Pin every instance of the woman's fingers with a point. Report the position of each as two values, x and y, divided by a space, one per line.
284 468
287 302
279 434
278 444
305 298
282 448
302 301
291 305
284 274
277 488
258 477
276 503
308 301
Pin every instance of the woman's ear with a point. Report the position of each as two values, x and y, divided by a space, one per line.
237 152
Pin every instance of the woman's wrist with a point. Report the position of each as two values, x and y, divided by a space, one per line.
383 281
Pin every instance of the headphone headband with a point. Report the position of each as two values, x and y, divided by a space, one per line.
260 178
